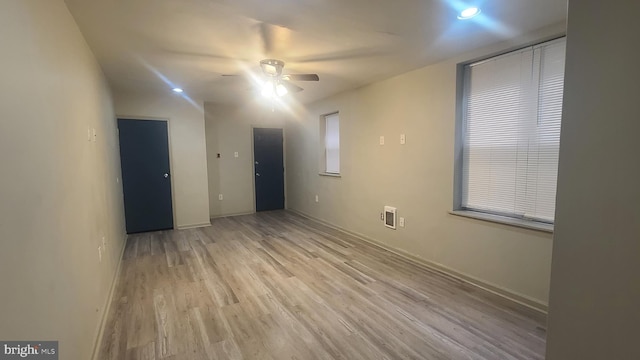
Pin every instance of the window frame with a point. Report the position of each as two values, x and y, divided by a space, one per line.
460 113
323 148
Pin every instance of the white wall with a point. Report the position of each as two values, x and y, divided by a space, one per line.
58 191
229 130
187 149
595 278
417 178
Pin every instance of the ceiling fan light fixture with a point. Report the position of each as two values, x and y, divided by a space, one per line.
275 83
268 90
271 89
272 67
469 13
281 90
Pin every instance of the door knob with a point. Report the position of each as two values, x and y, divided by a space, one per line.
166 175
257 174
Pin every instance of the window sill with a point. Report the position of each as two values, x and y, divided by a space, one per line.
330 175
527 224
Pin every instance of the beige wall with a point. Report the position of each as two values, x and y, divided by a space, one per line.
595 279
59 193
417 178
229 130
187 149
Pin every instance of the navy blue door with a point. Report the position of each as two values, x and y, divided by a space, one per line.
146 180
269 169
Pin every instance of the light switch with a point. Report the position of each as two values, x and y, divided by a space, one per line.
94 135
235 154
381 140
403 139
401 222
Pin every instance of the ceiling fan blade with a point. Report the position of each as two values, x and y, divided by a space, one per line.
203 55
301 77
266 34
360 53
292 88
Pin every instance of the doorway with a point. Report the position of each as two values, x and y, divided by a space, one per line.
268 155
146 177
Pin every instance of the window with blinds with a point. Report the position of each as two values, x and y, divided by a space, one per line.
512 109
332 144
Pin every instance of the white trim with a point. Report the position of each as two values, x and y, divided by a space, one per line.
527 302
330 174
219 216
193 226
505 220
97 343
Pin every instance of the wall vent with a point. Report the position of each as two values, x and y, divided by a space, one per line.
390 217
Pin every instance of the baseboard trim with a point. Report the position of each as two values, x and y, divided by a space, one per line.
230 215
97 343
539 308
193 226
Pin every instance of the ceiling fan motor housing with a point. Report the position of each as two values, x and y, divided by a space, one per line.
272 67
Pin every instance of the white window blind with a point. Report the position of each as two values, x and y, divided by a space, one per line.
332 143
511 132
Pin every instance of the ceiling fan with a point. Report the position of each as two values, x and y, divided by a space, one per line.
277 83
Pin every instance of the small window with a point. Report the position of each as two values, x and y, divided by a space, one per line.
510 135
330 132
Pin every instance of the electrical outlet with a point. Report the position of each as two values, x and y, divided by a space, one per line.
100 253
235 154
381 140
403 139
104 242
401 222
220 197
316 198
382 216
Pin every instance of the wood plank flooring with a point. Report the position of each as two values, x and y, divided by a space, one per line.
278 286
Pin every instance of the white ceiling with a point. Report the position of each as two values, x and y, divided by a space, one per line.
153 45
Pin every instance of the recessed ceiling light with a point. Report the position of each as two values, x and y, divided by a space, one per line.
177 90
468 13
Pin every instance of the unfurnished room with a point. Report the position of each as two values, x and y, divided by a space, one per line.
319 179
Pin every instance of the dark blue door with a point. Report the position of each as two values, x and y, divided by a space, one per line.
269 169
146 180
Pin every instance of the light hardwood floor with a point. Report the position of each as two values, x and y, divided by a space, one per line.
279 286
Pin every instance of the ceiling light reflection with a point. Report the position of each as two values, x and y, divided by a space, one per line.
469 13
